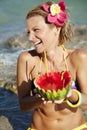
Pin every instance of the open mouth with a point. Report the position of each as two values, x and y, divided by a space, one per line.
37 43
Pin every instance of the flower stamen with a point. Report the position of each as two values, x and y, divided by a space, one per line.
54 9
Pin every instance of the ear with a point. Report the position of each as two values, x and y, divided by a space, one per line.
57 30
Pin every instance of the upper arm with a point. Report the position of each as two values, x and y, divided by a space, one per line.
22 77
82 71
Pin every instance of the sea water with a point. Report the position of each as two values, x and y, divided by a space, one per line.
9 107
12 23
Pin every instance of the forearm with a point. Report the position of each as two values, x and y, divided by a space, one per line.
84 102
75 98
30 102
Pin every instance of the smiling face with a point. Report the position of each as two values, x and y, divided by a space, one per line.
44 36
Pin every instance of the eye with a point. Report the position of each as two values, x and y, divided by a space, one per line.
36 30
28 33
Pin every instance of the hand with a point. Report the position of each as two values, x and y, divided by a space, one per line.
50 101
69 93
53 101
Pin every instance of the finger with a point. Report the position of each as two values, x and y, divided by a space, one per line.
69 93
58 101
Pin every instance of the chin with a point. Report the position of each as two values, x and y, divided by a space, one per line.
39 51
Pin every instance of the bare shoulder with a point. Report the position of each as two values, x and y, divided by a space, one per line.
79 54
27 55
79 57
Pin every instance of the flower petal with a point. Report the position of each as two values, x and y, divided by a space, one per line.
46 7
51 18
62 5
54 9
59 23
62 17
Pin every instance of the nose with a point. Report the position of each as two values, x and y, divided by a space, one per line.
31 37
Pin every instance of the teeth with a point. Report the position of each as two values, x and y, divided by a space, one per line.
36 43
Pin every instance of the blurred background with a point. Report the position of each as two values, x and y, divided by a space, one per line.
13 24
13 13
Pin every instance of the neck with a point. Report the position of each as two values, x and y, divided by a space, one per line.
53 57
53 54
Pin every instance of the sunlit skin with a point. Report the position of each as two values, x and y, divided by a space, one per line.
49 115
37 32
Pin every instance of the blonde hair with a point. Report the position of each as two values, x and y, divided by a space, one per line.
66 29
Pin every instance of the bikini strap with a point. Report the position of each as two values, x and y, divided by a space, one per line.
46 64
64 49
40 70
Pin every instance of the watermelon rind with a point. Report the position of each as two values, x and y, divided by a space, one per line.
52 94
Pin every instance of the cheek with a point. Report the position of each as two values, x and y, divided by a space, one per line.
51 37
48 37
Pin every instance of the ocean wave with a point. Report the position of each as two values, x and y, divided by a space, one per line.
13 46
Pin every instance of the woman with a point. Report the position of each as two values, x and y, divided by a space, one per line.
49 28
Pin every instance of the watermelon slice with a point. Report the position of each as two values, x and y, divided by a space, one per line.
53 85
